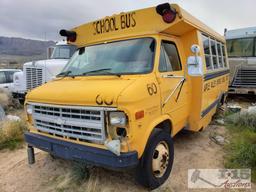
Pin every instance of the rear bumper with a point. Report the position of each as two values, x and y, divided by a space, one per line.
90 155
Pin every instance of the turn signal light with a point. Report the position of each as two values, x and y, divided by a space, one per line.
139 115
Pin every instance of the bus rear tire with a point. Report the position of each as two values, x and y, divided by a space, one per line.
156 163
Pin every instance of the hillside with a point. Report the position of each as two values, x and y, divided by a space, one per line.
18 50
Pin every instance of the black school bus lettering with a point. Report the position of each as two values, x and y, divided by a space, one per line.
207 87
216 82
111 24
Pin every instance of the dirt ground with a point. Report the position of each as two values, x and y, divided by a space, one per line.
192 150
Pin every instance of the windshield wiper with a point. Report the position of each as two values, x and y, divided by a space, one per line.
99 70
64 74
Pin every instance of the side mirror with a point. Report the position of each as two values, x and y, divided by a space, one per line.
195 64
195 49
49 52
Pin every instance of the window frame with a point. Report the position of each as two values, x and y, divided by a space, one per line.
210 52
173 43
221 55
222 50
216 55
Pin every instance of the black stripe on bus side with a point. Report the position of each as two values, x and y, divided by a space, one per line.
208 109
214 75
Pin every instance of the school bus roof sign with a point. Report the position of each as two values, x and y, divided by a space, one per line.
140 22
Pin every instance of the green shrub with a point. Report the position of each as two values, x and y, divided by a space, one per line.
11 134
243 120
241 151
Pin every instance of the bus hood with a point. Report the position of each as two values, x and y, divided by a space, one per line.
81 91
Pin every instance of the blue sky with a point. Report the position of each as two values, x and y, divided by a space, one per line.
42 19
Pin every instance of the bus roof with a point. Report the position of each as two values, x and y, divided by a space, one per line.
241 33
139 22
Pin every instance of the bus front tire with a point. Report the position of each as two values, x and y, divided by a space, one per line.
156 163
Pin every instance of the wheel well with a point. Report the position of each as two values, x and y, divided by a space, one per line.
166 125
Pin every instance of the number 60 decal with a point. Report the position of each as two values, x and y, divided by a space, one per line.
152 89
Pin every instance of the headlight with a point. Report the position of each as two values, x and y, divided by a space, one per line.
29 109
117 118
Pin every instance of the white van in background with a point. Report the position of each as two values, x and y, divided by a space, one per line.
241 48
36 73
6 78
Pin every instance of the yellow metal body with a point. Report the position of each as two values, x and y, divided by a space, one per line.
129 93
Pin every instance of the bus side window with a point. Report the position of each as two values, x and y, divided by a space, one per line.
169 57
214 53
224 55
220 55
207 53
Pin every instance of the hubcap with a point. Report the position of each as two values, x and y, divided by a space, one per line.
160 159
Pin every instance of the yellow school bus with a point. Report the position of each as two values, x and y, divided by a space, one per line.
136 80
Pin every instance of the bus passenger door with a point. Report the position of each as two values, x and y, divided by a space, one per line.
173 85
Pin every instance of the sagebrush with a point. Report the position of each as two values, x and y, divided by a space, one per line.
11 134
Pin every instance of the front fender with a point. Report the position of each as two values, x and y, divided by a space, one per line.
149 130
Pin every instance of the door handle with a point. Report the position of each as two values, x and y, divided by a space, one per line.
172 76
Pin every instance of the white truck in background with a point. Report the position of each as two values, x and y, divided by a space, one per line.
36 73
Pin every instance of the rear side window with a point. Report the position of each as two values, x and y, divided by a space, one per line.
2 77
224 56
219 55
169 57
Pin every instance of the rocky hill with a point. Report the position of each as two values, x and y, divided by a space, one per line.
23 47
16 51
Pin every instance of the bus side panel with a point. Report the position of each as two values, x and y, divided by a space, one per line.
195 84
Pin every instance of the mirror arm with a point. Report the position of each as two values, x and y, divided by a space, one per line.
174 90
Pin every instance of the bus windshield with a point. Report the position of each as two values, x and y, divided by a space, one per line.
63 51
243 47
134 56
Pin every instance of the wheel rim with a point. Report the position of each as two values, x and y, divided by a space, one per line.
160 159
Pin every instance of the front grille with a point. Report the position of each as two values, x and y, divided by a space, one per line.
34 77
245 77
76 123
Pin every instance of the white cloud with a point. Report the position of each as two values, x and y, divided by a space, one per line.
43 18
